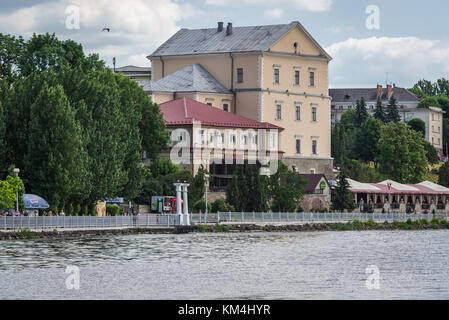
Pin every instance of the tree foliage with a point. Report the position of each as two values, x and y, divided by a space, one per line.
342 198
367 139
107 119
361 112
379 112
392 113
418 125
402 156
286 189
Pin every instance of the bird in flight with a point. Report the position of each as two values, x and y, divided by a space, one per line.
106 29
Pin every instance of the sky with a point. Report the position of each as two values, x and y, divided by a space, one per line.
371 42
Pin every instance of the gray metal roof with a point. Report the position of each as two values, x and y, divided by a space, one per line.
193 78
133 69
242 39
351 95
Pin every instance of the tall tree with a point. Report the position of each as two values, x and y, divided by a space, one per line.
392 110
361 112
367 139
342 198
379 113
52 163
443 175
402 156
286 188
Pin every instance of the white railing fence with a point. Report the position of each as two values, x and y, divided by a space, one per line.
172 220
278 217
87 222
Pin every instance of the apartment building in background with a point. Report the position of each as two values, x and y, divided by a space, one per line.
345 99
276 74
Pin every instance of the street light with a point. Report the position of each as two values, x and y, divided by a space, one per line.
17 171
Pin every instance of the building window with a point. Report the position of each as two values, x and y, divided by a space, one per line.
201 137
439 129
314 147
298 113
276 75
240 75
226 107
297 77
312 78
244 140
278 112
439 141
314 114
433 117
232 139
210 103
433 140
298 146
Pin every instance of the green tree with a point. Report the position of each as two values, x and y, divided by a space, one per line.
361 112
9 189
418 125
424 88
402 156
257 193
10 49
429 102
431 153
286 188
348 121
392 110
443 175
197 188
445 135
367 139
52 163
339 144
379 113
342 198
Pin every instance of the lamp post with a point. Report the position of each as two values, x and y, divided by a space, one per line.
389 200
17 171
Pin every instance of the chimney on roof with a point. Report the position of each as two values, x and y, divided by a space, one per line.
229 29
389 91
220 27
379 91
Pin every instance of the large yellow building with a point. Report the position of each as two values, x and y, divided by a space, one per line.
274 73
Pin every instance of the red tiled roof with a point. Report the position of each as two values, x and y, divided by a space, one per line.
185 111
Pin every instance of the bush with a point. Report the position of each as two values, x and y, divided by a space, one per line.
201 205
221 228
220 205
113 210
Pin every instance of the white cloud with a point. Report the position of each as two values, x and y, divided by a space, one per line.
309 5
275 13
137 26
405 59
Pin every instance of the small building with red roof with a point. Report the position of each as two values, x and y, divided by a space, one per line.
204 137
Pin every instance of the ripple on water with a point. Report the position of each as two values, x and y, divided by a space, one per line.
413 265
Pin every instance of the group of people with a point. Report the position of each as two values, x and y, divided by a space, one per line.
29 213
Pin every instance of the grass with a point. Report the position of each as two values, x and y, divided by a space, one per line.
357 225
28 234
219 228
